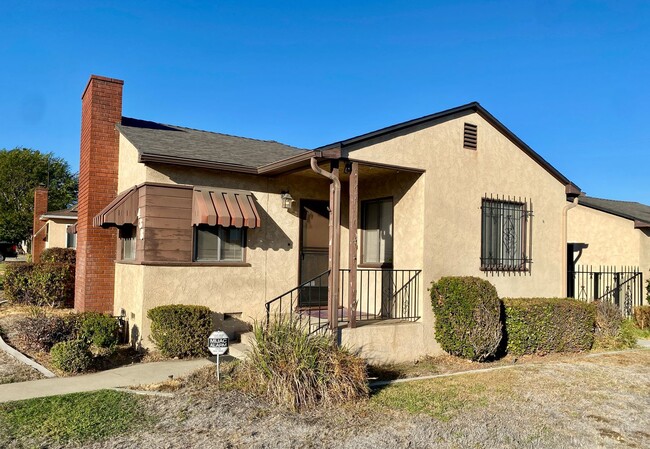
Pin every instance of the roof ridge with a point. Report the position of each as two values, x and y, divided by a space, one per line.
215 132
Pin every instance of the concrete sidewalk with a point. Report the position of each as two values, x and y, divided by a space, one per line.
138 374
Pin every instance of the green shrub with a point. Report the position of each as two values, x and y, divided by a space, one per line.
610 330
468 317
40 332
294 369
180 330
16 282
98 329
545 325
642 317
59 255
42 284
71 356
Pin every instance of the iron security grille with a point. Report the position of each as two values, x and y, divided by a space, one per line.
470 136
506 227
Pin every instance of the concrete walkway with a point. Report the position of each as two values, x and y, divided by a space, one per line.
138 374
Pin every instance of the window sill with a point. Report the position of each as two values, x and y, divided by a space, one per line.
375 265
184 264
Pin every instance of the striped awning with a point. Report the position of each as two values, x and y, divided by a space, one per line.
121 211
224 207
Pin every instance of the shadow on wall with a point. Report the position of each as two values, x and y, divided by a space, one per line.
270 236
134 337
232 324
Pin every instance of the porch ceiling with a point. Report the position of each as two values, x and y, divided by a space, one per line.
366 171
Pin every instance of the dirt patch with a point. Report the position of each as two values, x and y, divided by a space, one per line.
579 403
11 370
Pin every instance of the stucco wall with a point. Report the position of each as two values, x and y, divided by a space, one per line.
611 240
57 236
131 172
456 181
129 296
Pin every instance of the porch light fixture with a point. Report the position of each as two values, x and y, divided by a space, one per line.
287 200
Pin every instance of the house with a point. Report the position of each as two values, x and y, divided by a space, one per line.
609 250
347 236
52 229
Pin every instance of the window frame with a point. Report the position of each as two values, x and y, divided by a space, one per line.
500 263
217 261
67 237
362 210
134 233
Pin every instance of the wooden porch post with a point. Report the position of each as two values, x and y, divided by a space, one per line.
335 246
353 219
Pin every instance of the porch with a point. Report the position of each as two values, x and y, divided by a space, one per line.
353 246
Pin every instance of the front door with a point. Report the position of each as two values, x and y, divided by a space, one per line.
314 252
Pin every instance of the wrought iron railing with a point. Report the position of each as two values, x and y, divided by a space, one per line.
621 286
382 294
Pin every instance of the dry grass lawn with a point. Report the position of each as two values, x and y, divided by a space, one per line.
585 402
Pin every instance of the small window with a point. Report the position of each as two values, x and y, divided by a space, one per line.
127 242
218 243
71 239
504 235
377 231
470 136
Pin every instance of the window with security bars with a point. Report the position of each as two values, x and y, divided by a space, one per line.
505 235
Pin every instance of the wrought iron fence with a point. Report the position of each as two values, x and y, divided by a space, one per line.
382 294
622 286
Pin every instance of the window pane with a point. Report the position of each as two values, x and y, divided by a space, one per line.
503 225
127 238
231 244
71 241
378 231
207 241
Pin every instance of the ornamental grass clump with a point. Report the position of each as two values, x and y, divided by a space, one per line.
468 317
611 329
294 369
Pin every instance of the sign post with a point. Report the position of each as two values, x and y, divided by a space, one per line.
218 345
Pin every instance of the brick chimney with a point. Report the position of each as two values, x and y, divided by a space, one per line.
39 233
101 110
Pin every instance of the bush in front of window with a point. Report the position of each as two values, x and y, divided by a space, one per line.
72 356
546 325
59 255
180 330
99 329
468 317
41 284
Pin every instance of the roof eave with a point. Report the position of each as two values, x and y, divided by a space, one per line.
195 163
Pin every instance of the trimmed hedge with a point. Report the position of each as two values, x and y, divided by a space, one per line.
59 255
180 330
642 317
41 284
545 325
468 317
71 356
99 329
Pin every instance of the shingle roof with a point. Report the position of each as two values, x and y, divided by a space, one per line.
70 212
626 209
175 142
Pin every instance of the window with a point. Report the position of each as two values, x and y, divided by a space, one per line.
71 239
127 242
504 235
217 243
377 231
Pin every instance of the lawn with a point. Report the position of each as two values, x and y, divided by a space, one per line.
77 418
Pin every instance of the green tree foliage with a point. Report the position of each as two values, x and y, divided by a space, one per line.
21 171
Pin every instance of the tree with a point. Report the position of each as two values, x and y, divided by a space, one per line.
21 171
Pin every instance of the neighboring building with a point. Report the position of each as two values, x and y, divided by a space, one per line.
233 223
52 229
609 240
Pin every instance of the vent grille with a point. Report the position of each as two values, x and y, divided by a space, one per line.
470 136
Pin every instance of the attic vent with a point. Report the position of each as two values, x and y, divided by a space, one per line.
470 136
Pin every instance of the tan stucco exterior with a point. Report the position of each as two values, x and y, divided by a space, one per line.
610 240
57 235
437 228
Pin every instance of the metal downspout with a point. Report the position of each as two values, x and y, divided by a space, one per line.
564 244
334 244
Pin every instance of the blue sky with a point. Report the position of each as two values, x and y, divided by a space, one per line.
568 77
